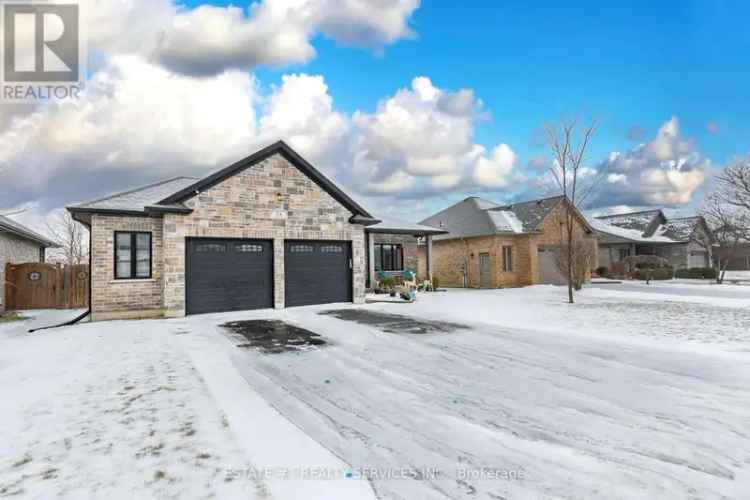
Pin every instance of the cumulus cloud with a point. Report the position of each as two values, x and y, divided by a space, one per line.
664 171
137 122
420 141
209 39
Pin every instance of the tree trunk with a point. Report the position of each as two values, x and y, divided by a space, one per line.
570 260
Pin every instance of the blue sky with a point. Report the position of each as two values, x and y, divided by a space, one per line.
666 81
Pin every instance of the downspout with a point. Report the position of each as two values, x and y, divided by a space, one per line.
88 311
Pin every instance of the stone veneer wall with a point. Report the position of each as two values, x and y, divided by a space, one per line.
15 250
114 299
246 206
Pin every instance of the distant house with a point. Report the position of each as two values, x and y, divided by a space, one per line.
684 241
491 245
18 245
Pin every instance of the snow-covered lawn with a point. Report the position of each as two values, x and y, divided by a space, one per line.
633 392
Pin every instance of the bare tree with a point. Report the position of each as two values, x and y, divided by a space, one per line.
733 185
730 225
568 147
579 266
72 238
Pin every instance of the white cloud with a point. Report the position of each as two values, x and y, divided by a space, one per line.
420 140
668 170
208 39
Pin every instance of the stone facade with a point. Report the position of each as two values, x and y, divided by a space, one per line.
271 200
457 261
15 250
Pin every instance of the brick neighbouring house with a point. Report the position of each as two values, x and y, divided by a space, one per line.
267 231
19 245
490 245
685 242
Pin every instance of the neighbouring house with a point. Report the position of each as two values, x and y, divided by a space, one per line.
267 231
19 245
685 241
739 258
491 245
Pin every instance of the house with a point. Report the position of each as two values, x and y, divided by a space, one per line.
490 245
685 242
739 257
267 231
19 245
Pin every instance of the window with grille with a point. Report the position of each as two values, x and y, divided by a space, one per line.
132 255
389 257
248 248
301 248
211 248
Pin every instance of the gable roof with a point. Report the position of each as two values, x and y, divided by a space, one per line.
8 225
168 195
479 217
279 147
648 226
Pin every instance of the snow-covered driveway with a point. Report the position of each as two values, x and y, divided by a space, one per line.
604 399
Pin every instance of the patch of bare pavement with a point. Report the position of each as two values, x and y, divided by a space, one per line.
273 336
394 323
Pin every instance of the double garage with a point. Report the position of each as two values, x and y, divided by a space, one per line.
238 274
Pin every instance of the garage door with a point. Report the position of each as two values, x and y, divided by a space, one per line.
228 275
549 273
317 272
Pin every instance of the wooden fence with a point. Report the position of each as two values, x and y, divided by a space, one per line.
46 286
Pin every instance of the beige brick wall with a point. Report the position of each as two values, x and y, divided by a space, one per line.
246 206
450 255
113 298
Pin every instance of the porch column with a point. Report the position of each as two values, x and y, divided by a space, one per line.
371 259
428 252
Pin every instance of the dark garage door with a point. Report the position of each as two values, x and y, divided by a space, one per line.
228 275
317 272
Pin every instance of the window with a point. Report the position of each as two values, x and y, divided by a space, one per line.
248 248
132 255
211 248
332 249
508 259
389 257
624 252
301 248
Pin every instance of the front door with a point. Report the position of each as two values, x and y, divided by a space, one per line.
485 274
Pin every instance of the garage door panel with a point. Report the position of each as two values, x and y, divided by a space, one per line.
317 272
228 275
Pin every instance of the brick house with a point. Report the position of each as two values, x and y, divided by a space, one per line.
685 242
490 245
267 231
19 245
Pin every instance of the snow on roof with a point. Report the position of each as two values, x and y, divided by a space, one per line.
139 198
398 225
9 225
636 227
479 217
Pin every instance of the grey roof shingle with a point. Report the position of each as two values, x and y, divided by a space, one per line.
649 226
138 199
479 217
532 213
9 225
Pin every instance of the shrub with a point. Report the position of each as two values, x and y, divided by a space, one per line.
602 271
435 282
387 283
662 273
697 273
